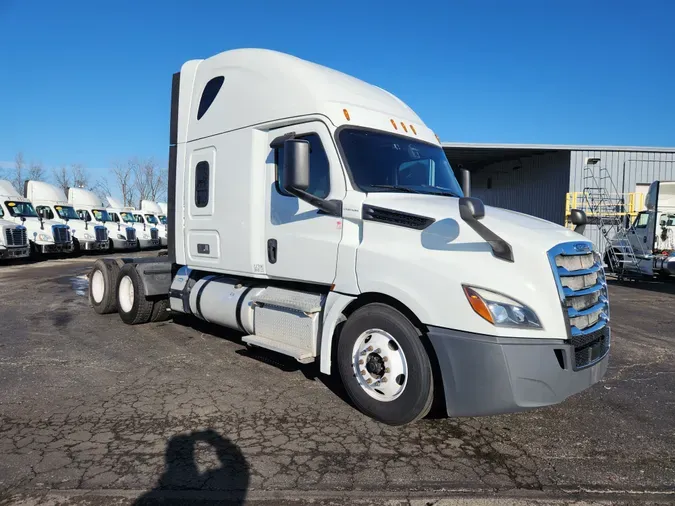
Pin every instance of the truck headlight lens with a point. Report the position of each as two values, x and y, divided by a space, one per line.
88 237
123 237
44 237
499 309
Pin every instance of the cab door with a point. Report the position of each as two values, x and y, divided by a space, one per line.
301 241
641 235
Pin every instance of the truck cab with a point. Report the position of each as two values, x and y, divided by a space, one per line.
45 236
147 236
13 239
152 213
318 215
51 204
90 209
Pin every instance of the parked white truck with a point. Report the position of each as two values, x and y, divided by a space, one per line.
51 204
13 239
319 216
147 236
151 213
44 236
91 210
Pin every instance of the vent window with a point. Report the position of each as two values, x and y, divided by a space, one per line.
209 95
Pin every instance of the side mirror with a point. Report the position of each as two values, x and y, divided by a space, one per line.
578 218
296 165
471 210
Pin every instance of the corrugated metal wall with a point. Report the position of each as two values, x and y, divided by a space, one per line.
538 188
626 170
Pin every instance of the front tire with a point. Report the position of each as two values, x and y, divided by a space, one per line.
384 366
102 286
132 305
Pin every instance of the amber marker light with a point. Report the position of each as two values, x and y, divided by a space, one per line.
477 304
393 123
346 113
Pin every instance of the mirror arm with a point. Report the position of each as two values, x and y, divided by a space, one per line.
471 210
332 207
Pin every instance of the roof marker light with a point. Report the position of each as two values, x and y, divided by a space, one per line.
413 129
437 138
346 113
405 129
393 123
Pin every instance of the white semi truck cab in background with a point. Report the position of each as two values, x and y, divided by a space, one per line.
318 215
51 204
90 209
151 213
13 239
44 236
146 234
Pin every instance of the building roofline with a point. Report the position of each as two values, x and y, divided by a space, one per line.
556 147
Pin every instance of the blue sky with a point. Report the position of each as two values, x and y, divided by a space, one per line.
89 82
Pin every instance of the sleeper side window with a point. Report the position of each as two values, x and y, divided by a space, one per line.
319 170
209 95
202 184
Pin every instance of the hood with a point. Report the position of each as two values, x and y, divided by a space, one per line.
518 229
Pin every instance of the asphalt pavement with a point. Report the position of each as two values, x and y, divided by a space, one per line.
93 411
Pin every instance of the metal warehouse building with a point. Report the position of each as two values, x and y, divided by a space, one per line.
538 179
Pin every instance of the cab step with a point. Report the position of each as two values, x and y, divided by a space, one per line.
302 356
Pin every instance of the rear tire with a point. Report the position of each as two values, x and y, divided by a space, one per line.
160 311
103 286
132 305
401 387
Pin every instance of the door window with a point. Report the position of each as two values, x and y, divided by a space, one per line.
45 212
319 170
642 220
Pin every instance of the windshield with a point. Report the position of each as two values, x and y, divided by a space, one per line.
139 218
381 162
151 219
101 215
21 209
128 217
162 219
66 213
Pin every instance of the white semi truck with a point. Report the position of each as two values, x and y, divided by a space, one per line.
91 210
13 239
318 215
44 236
51 204
147 236
163 207
151 213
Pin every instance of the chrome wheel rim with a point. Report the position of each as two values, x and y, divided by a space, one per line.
379 364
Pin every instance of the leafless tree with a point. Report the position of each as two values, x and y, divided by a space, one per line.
101 188
18 178
62 178
124 180
80 176
149 180
37 172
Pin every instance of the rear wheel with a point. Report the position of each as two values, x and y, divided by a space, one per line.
132 305
384 366
102 286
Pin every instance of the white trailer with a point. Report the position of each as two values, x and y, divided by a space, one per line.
44 236
90 209
147 236
152 213
318 215
51 204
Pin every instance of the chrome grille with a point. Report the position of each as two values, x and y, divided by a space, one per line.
131 234
16 236
100 233
61 234
582 289
154 234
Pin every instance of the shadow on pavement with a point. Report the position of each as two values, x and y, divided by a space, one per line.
666 286
182 483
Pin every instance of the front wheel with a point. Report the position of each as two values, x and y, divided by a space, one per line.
384 366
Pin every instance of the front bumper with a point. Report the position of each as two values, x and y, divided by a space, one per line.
94 245
62 247
148 243
164 241
123 244
8 253
489 375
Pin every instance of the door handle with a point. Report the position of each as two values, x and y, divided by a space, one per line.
272 251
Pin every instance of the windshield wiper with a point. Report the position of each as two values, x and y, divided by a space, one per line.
394 187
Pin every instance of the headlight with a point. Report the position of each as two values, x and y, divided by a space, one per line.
44 237
499 309
146 236
120 236
88 237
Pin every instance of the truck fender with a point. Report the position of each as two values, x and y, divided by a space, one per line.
335 305
156 276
